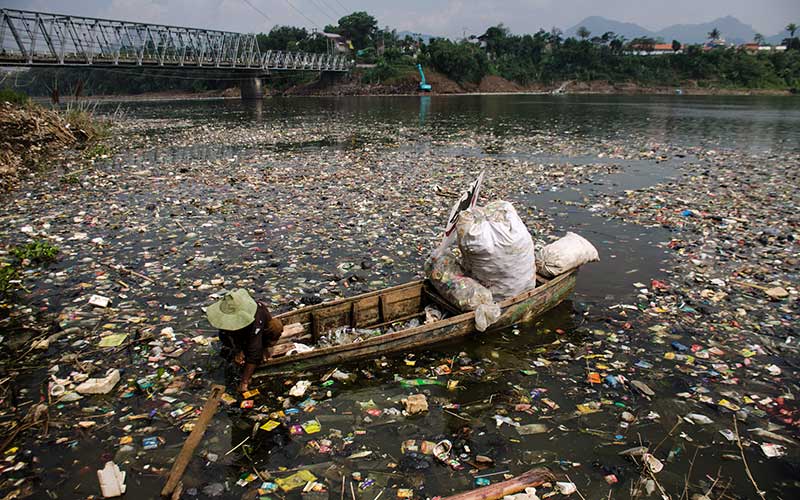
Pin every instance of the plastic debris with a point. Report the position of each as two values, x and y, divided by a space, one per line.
99 385
112 480
414 404
299 388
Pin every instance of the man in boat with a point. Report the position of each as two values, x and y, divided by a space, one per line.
247 331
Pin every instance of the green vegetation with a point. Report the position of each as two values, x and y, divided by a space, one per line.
542 57
359 27
14 97
35 252
463 62
96 150
545 57
9 278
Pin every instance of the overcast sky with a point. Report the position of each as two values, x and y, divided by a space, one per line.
436 17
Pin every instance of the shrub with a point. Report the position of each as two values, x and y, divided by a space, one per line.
14 97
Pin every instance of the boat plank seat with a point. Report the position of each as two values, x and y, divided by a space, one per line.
369 312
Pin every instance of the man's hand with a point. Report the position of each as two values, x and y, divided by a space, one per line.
247 374
239 358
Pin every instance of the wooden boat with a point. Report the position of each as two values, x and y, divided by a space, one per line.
396 304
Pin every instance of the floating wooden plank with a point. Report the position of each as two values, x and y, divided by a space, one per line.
185 455
531 479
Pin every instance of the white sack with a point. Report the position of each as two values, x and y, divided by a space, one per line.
565 254
497 249
447 277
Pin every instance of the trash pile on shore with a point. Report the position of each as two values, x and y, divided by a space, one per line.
27 135
671 386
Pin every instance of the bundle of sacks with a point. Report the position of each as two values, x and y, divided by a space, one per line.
497 262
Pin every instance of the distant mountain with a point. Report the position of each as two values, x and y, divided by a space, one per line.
732 30
599 25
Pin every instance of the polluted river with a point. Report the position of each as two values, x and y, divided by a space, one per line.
670 372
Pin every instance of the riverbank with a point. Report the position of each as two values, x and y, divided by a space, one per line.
497 85
352 86
668 343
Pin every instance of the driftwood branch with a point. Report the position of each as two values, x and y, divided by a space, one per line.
179 467
531 479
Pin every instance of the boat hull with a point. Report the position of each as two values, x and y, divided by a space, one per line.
522 308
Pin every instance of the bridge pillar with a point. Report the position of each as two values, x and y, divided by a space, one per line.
252 88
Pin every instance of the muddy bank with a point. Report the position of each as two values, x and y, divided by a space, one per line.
351 85
497 84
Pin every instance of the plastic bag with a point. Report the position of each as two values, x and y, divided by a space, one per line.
497 249
463 292
485 315
565 254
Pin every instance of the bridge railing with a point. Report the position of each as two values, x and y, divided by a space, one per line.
30 38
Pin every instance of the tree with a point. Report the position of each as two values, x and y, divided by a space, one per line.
463 62
608 36
583 33
676 46
556 36
358 27
759 38
617 44
495 38
281 38
714 34
791 28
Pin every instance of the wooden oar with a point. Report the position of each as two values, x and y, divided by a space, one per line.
531 479
182 461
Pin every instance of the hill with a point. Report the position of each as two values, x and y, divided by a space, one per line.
732 29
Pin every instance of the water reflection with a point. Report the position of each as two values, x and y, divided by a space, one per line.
424 107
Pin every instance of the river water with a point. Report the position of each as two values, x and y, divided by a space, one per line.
510 369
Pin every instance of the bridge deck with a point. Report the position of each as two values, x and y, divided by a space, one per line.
30 38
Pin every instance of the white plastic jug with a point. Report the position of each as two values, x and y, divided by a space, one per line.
112 480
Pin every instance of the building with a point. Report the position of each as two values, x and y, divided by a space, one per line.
755 48
337 44
656 49
717 43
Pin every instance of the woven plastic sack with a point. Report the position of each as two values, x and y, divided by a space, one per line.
565 254
497 249
463 292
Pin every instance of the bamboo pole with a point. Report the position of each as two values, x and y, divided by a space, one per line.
185 455
531 479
